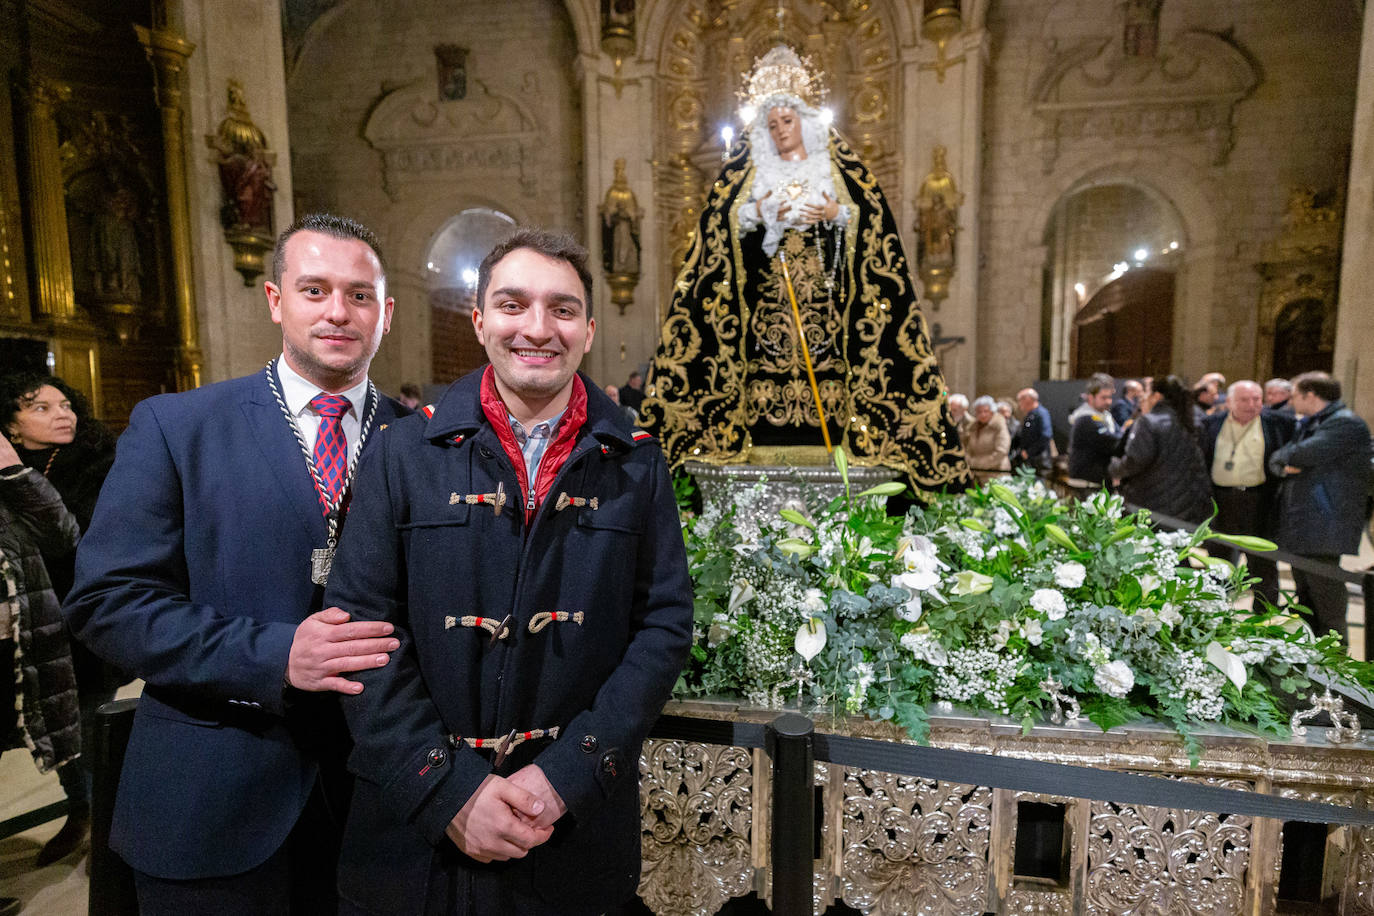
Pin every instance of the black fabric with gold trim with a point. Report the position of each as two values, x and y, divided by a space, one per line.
729 376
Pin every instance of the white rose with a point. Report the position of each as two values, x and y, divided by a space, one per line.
1170 615
1114 679
1033 632
1069 575
813 601
1049 602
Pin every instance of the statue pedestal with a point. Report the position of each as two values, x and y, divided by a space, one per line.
788 486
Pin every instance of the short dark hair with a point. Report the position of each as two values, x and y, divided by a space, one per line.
1320 384
557 246
411 390
1176 393
340 227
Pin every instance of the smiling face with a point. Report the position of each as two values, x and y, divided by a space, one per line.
534 326
332 308
784 126
982 413
45 418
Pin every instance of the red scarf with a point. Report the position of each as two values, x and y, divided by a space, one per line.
558 450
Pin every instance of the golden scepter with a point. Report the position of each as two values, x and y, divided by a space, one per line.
806 351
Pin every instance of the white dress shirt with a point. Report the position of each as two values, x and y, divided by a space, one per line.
297 392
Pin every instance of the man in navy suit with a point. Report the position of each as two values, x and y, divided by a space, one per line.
202 573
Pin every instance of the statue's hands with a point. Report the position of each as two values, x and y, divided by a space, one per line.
758 204
814 213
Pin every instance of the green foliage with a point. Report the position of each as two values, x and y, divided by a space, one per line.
982 600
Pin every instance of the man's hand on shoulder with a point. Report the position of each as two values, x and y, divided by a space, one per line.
499 822
328 643
532 779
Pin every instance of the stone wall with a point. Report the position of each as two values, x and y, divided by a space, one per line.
1064 110
371 138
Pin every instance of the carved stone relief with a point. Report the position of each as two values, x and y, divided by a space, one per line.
420 138
1189 88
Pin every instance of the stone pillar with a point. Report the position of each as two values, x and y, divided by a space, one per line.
617 105
944 93
169 52
52 261
14 292
242 42
1354 366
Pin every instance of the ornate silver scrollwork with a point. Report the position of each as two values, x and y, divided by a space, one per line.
909 840
1345 726
1164 860
696 815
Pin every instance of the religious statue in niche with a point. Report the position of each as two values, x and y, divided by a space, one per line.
937 225
115 261
1141 35
245 175
620 220
245 167
797 272
452 63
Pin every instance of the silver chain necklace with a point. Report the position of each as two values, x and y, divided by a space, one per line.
322 558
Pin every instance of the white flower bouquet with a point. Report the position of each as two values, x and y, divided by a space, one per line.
1005 599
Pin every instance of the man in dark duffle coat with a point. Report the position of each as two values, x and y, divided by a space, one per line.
525 541
196 575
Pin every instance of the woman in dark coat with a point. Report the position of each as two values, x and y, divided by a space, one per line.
50 427
1162 467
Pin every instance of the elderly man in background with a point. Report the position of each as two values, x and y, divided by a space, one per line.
1325 471
1277 391
1030 444
959 415
1237 444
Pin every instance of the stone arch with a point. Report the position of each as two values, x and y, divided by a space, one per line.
1168 178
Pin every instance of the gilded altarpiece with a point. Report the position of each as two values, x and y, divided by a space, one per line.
707 47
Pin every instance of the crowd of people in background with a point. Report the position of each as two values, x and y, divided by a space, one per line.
1285 461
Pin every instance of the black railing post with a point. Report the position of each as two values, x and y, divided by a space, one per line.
793 815
112 881
1368 586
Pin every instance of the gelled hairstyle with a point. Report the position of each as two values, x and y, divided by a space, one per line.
339 227
556 246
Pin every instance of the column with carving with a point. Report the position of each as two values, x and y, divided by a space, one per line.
52 261
168 53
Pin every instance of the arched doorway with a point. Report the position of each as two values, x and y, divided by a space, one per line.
451 264
1126 329
1108 293
1300 344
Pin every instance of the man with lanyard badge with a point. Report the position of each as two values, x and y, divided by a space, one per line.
203 574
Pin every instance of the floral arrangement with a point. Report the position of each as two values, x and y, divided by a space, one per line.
1005 599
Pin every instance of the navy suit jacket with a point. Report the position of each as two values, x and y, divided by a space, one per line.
193 576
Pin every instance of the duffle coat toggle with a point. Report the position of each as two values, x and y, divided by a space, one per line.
564 501
496 500
506 743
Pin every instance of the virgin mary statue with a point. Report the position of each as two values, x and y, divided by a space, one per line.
729 382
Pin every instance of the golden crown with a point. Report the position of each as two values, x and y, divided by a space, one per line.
780 72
